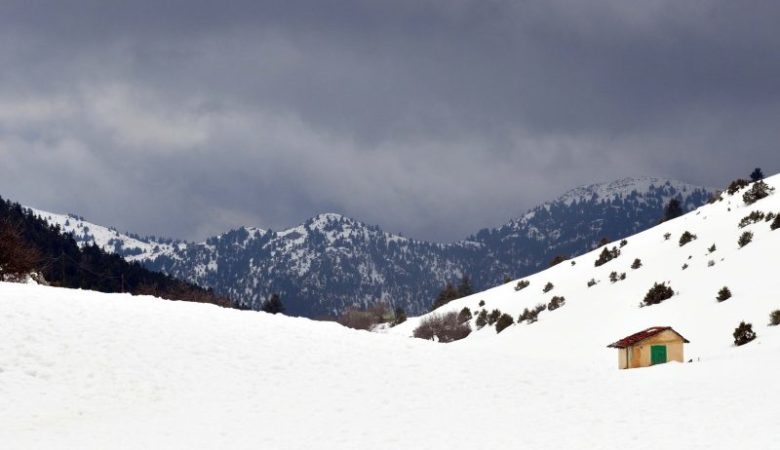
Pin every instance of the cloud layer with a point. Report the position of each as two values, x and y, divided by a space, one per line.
432 118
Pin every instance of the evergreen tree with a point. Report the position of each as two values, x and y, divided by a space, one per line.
448 294
464 288
672 210
757 174
273 305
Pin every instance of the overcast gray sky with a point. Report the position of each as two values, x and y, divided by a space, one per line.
433 118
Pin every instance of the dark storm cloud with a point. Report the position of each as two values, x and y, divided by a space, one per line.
432 118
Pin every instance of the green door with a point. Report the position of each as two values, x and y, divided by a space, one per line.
657 354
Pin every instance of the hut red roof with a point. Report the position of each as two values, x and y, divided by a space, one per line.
635 338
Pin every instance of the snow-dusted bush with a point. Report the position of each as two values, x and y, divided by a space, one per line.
548 287
743 334
750 219
503 322
493 316
636 264
774 318
591 282
607 255
736 185
623 243
686 237
555 303
758 191
464 315
522 284
445 328
658 293
723 294
531 315
745 239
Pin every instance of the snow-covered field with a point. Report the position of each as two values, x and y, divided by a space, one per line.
83 370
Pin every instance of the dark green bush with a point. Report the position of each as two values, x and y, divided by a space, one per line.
503 322
758 191
723 294
750 219
607 255
522 284
591 282
736 185
636 264
464 315
481 319
775 223
686 237
493 316
556 303
657 294
774 318
548 287
745 239
743 334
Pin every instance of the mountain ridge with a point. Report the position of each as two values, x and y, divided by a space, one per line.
331 262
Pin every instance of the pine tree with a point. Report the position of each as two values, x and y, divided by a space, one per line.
672 210
464 288
757 174
273 305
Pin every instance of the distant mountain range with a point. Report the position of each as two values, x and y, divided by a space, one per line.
332 262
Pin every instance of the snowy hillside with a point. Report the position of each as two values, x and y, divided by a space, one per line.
131 247
83 370
331 262
607 311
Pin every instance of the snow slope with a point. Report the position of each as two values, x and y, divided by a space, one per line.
84 370
598 315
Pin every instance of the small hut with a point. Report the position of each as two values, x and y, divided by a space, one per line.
655 345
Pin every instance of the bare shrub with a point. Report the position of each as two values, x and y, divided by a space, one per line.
444 328
17 257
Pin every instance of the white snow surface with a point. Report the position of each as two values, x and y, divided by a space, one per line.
84 370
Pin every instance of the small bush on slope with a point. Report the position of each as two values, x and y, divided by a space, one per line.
493 316
548 287
758 191
531 315
775 223
522 284
686 237
481 319
503 322
557 260
743 334
774 318
591 282
445 328
750 219
736 185
723 294
636 264
658 293
464 315
555 303
745 239
607 255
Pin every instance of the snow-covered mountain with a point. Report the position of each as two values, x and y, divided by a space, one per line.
331 262
601 303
